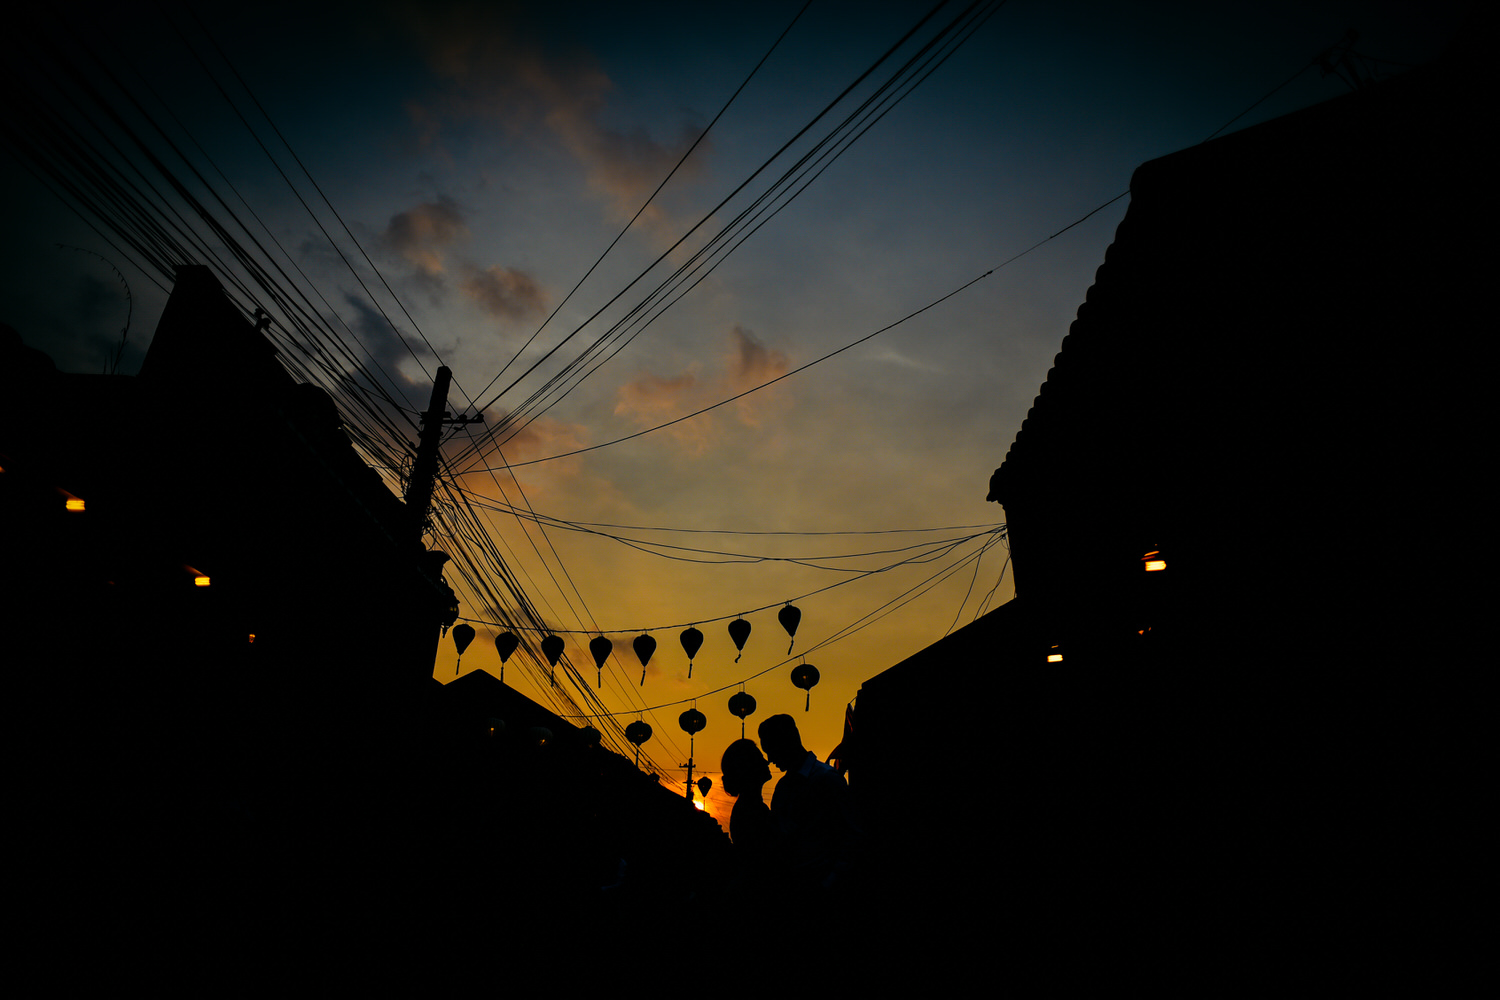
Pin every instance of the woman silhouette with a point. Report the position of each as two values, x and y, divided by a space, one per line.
750 825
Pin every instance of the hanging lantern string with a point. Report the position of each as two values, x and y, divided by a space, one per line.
859 623
842 633
1000 531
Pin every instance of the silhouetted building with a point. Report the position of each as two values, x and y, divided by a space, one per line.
232 629
1235 693
226 704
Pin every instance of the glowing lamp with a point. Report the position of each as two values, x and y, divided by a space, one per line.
200 580
73 503
1055 655
1155 565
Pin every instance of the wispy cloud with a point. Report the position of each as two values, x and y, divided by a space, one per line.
388 350
496 74
505 292
540 438
424 234
894 357
653 399
753 363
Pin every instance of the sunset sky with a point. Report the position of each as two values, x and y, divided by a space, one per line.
485 155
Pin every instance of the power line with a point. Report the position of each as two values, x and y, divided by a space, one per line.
793 182
652 197
857 625
949 546
646 304
830 354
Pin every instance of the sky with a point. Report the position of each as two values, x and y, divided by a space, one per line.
485 156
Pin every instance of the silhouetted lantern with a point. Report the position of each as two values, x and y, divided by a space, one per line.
462 636
552 648
741 705
739 631
505 644
704 784
805 677
600 647
638 732
790 617
539 736
644 646
692 641
590 736
692 721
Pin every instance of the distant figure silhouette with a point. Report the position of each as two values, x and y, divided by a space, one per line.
751 827
811 807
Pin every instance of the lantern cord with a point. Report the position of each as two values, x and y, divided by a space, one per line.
860 623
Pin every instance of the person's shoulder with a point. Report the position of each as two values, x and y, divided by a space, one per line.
821 772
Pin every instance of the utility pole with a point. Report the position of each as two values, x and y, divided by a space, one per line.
424 470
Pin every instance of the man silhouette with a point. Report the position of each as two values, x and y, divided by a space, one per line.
811 806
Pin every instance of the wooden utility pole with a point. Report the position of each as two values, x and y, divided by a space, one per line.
424 470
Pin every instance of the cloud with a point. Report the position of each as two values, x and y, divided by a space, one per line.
624 167
495 74
505 292
891 356
649 397
541 438
753 364
388 350
753 361
652 400
423 234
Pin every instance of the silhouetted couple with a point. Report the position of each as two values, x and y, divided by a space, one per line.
806 838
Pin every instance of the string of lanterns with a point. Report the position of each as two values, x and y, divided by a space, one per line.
600 647
741 704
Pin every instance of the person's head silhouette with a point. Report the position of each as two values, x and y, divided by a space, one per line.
744 768
782 742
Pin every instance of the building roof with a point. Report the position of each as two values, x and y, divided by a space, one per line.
1251 269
